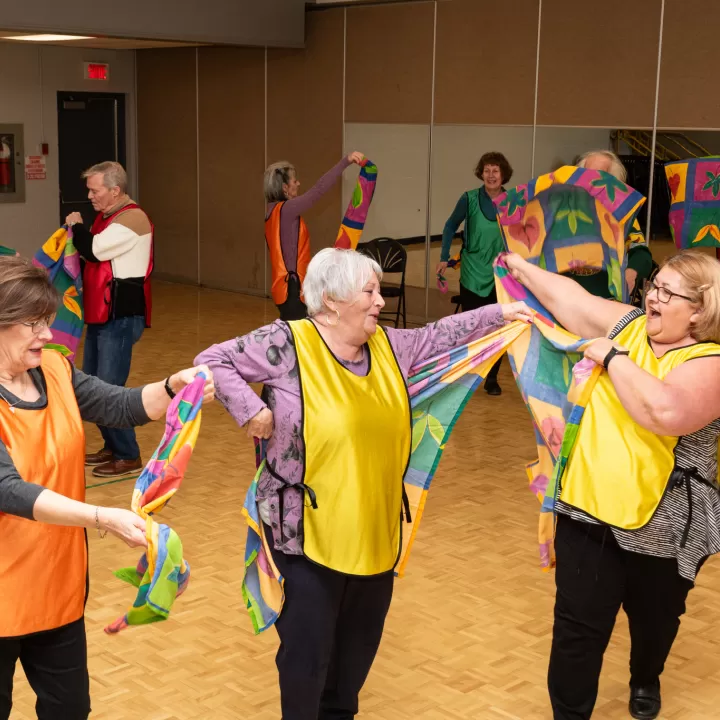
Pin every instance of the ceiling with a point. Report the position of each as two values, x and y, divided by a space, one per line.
99 42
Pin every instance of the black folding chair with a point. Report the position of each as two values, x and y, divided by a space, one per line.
391 256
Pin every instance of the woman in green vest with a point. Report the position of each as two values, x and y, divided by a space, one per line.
638 508
482 243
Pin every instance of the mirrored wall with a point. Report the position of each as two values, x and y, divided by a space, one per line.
541 83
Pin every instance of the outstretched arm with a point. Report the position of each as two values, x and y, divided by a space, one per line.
572 306
413 346
302 203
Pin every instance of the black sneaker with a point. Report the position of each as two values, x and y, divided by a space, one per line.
492 387
645 702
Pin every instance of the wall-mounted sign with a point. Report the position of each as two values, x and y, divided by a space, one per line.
35 167
97 71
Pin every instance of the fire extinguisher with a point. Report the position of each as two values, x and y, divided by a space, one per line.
6 159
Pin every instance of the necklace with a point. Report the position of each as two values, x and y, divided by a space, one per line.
11 405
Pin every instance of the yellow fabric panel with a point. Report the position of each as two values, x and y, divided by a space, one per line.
357 445
618 470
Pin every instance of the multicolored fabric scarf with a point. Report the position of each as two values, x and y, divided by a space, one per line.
695 201
355 216
548 219
162 574
62 261
566 220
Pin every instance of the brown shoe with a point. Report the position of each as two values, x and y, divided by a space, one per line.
98 458
118 468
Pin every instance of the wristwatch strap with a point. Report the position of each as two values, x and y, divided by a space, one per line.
613 352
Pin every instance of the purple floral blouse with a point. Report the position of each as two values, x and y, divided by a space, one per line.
268 356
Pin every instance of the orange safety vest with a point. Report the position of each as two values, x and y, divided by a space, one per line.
43 568
279 271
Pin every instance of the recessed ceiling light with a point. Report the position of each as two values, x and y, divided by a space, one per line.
49 38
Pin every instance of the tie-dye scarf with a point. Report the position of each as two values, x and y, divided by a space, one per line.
354 221
162 574
62 261
546 361
695 201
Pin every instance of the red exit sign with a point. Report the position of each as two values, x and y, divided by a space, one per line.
97 71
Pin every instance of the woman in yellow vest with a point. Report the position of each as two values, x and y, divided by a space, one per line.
639 503
44 567
331 494
287 234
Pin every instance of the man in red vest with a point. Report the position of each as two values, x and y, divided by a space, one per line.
118 251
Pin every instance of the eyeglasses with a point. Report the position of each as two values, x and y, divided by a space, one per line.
38 326
664 295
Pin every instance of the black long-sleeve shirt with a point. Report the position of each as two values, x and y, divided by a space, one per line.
98 401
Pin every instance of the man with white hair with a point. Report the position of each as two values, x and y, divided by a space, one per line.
118 251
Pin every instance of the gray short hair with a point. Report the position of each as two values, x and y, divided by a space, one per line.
276 175
339 274
113 173
617 169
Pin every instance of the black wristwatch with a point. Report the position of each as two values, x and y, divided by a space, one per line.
613 352
168 389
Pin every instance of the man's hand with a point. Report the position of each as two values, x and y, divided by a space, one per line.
73 218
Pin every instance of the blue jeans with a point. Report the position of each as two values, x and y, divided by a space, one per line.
107 355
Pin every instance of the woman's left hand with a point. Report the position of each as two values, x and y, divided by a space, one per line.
598 349
180 379
517 311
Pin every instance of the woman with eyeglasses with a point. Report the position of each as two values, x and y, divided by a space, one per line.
44 564
638 509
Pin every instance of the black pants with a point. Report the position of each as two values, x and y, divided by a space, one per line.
594 578
471 301
293 308
330 629
55 663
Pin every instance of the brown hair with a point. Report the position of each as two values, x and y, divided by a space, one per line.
701 274
495 158
26 293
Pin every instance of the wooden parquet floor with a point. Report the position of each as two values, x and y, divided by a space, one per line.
480 653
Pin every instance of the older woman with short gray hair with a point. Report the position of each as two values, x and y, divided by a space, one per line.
286 233
337 421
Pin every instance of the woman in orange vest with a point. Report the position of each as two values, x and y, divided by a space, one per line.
44 567
286 233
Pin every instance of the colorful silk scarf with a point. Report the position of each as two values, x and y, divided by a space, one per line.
162 574
355 216
565 220
695 201
62 261
570 218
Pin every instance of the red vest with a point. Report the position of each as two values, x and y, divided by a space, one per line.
98 277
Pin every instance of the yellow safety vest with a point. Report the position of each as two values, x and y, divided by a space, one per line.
357 447
618 471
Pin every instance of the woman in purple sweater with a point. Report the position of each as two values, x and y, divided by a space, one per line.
286 233
330 495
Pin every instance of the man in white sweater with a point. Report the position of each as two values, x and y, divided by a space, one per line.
116 298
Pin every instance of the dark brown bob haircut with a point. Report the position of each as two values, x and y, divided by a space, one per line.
495 158
26 293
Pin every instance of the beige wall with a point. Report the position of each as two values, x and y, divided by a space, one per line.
29 83
424 89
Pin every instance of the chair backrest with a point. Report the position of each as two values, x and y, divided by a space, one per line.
389 254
